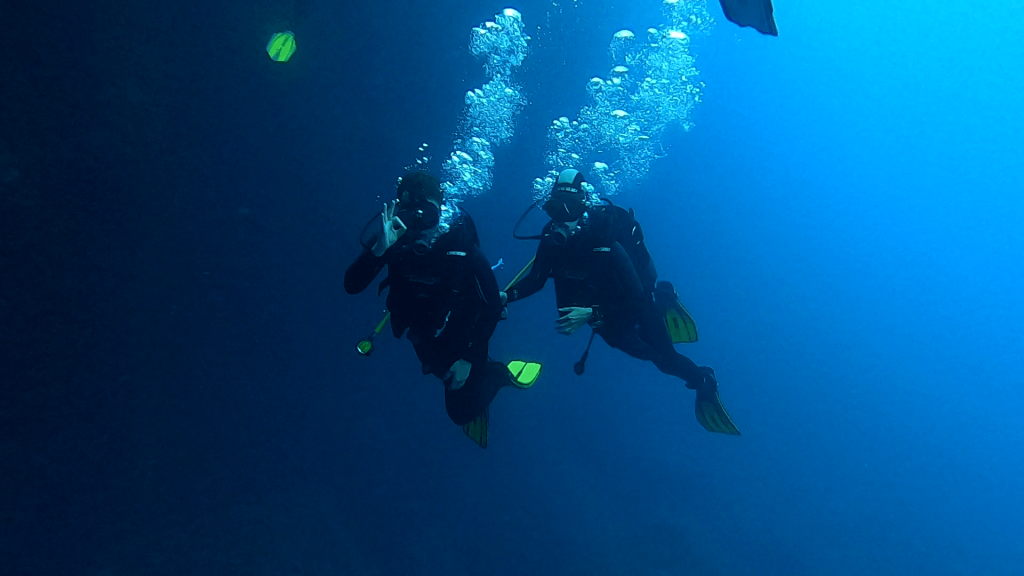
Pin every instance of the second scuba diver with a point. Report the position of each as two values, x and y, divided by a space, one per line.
443 295
604 277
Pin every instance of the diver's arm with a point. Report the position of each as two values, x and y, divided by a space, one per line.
363 271
535 279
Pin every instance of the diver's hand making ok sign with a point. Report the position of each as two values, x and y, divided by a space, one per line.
390 229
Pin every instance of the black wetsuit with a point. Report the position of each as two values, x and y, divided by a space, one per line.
448 300
594 270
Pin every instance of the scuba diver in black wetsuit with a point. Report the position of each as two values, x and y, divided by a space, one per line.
604 277
442 293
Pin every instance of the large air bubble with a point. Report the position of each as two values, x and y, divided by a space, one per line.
488 119
653 84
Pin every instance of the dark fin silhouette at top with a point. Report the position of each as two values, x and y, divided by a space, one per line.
754 13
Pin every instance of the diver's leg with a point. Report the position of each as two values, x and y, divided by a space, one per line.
651 341
628 340
654 332
466 403
433 355
469 401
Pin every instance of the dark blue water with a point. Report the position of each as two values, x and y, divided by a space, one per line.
180 392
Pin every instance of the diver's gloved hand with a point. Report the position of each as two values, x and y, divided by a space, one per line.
504 305
573 318
708 379
458 373
390 229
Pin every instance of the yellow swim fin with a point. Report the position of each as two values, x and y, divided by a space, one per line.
680 324
678 321
477 429
281 46
711 413
524 374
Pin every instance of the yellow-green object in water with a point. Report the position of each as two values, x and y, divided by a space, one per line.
477 429
680 324
365 346
711 412
281 46
524 374
678 321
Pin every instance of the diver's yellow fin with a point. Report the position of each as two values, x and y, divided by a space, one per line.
524 374
281 46
711 413
680 324
477 429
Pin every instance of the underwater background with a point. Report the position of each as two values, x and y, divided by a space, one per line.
180 391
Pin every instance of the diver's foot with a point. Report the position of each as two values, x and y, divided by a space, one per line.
709 375
708 406
707 379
